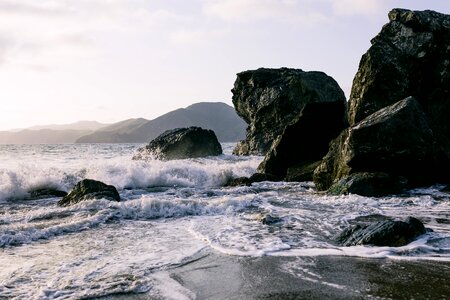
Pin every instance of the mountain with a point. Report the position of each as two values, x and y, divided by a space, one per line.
42 136
80 125
219 117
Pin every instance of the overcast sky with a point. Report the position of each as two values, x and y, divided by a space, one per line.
107 60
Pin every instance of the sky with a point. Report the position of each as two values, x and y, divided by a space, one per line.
62 61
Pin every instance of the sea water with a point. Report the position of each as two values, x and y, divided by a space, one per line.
171 212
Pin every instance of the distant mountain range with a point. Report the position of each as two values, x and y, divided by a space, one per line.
219 117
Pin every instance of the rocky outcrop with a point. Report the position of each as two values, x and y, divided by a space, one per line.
297 151
271 99
409 57
181 143
383 233
396 140
88 189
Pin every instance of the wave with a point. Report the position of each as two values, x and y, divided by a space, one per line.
18 180
32 224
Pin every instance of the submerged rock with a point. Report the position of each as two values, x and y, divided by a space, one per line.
88 189
181 143
396 140
302 145
270 99
409 57
383 233
269 219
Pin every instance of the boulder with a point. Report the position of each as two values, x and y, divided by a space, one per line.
396 140
181 143
382 233
368 184
88 189
305 142
270 99
409 57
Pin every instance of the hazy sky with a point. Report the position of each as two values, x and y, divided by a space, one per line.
107 60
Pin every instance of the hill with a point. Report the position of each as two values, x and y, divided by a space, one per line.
42 136
219 117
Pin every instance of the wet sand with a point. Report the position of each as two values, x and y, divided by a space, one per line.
327 277
218 276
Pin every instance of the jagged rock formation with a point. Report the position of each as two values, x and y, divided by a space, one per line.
402 139
409 57
271 99
396 140
181 143
88 189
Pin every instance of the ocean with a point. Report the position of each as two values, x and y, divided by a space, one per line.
174 213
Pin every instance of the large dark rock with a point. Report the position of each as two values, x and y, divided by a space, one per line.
303 143
181 143
383 233
270 99
396 140
409 57
88 189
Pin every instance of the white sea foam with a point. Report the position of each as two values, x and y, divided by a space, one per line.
169 212
120 258
18 177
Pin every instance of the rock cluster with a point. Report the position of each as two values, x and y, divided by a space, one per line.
395 132
398 110
181 143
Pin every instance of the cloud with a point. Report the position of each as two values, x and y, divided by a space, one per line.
48 33
260 10
297 11
196 36
358 7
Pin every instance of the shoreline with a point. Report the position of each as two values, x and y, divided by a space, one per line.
219 276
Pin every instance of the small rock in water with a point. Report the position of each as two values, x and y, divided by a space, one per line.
181 143
383 233
269 219
88 189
